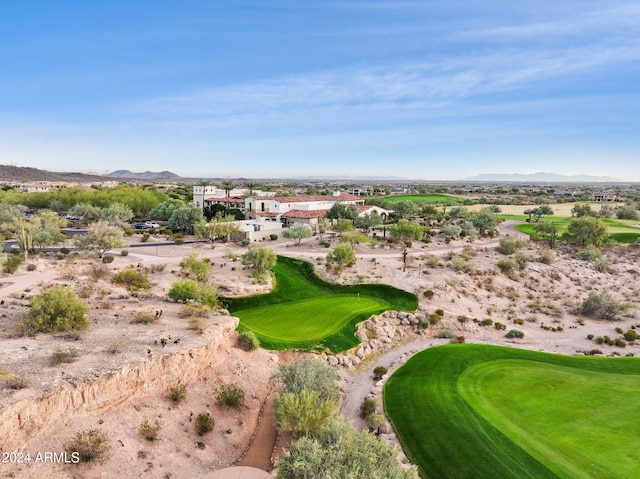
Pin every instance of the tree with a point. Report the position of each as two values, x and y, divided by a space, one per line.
451 231
354 237
46 230
87 212
195 268
404 232
322 225
627 213
368 221
117 214
164 210
540 211
587 230
484 222
428 211
343 225
262 259
340 451
57 309
185 218
313 375
227 186
305 414
547 228
219 227
403 209
342 256
100 237
297 232
342 211
8 213
582 209
469 230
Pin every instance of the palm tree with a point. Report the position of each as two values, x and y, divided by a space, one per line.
227 186
251 185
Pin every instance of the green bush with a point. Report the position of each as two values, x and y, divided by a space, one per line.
57 309
177 393
367 407
590 253
509 245
507 265
124 252
185 290
149 432
515 333
131 279
546 256
603 305
230 395
179 241
621 343
248 341
486 322
145 237
631 335
378 372
499 326
204 423
12 263
89 445
107 258
195 268
428 294
273 236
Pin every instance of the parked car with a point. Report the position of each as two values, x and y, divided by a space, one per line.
146 225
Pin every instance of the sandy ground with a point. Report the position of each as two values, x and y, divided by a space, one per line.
541 295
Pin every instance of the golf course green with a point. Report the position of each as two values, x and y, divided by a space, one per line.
478 411
620 231
305 312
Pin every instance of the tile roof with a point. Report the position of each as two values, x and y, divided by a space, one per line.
305 214
306 199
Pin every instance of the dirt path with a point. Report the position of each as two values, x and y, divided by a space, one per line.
260 450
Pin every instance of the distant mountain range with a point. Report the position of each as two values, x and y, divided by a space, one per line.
542 177
26 174
147 175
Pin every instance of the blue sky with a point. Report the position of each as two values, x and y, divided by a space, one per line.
417 89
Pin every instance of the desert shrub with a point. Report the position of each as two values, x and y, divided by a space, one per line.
507 265
519 321
446 333
65 250
144 317
61 356
515 333
378 372
131 279
600 340
367 407
197 325
602 265
88 445
179 241
56 309
248 341
428 294
149 432
546 256
97 271
521 259
114 347
439 312
194 310
204 423
459 264
195 268
185 290
273 236
31 267
590 337
619 330
12 263
145 237
486 322
177 393
107 258
457 340
631 335
374 420
15 382
590 253
128 231
124 252
608 341
603 305
592 352
499 326
621 343
230 395
509 245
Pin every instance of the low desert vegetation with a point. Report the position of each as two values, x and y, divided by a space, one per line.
150 432
177 393
248 341
603 305
64 356
90 445
56 309
230 396
189 290
195 268
204 423
131 279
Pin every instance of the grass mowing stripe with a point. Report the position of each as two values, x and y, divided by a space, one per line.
305 312
448 436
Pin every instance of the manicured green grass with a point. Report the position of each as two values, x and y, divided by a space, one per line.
621 231
467 411
433 198
305 312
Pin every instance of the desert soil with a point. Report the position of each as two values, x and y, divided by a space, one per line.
541 295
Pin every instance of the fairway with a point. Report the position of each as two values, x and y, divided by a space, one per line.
621 231
305 312
484 411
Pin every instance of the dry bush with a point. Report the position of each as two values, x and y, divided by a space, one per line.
88 445
97 271
66 356
15 382
197 325
177 393
85 292
144 317
149 432
114 346
195 310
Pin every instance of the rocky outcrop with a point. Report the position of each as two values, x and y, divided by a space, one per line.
30 418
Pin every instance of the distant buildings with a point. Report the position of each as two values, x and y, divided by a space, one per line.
605 196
